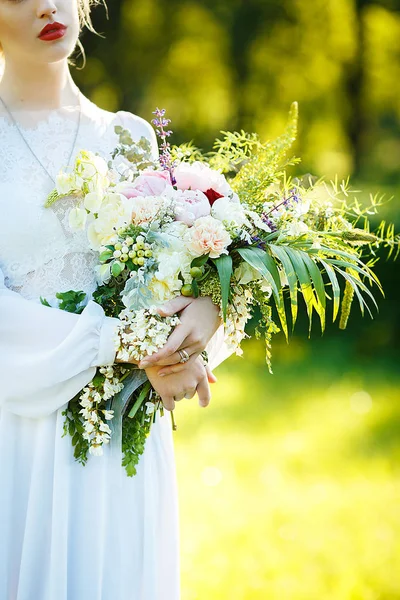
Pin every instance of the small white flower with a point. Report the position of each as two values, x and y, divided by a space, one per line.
77 218
296 228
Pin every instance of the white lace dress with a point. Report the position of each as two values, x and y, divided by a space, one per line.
68 532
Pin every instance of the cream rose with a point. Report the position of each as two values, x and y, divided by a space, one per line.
146 208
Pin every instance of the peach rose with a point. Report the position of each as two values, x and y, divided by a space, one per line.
208 236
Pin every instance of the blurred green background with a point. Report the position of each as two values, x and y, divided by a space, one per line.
289 483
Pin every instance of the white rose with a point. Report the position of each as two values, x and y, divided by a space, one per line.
230 211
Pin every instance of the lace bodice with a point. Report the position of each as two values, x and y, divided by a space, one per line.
39 254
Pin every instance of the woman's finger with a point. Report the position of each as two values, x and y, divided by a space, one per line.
178 367
174 342
210 375
168 402
203 391
174 306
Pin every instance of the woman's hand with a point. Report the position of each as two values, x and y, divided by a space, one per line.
183 385
200 319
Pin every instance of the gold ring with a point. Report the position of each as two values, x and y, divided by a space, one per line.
184 356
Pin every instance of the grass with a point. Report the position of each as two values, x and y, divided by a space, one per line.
289 486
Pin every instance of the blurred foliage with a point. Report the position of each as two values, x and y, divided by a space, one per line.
232 64
295 484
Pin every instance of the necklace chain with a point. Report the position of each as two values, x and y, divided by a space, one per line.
23 137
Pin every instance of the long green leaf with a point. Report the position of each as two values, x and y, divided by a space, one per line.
305 281
335 287
354 285
359 285
365 272
319 287
288 269
266 266
224 266
257 259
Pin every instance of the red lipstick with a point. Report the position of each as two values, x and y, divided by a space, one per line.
52 31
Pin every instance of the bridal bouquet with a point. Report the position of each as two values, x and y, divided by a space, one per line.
230 224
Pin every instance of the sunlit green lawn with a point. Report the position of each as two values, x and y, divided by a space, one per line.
289 484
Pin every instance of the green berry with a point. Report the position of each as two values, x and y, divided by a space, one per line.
117 253
124 249
118 246
196 272
124 258
140 261
187 290
140 253
132 254
129 241
140 239
148 253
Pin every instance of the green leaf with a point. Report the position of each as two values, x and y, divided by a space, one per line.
365 272
319 287
143 394
225 268
104 256
288 269
199 261
357 284
44 302
305 281
195 288
116 268
266 266
335 287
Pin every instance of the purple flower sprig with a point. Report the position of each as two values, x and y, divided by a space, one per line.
293 197
160 122
287 202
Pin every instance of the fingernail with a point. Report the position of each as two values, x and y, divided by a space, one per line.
162 374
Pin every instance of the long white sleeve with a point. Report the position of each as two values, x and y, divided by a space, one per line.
46 354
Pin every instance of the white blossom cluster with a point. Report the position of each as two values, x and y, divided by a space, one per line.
238 314
142 332
97 431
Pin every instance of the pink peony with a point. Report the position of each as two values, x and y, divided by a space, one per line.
149 183
190 205
208 236
199 176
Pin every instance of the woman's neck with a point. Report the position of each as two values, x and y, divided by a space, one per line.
46 87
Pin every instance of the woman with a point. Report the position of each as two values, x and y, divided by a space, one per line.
69 532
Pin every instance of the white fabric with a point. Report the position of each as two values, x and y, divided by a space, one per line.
69 532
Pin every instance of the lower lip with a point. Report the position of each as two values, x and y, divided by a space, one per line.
52 35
